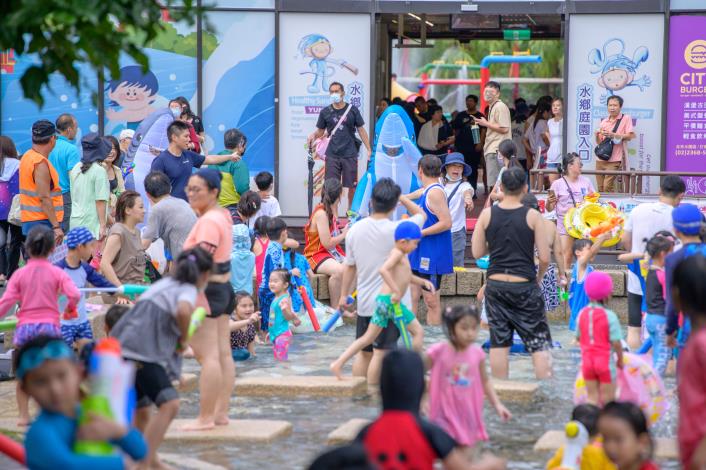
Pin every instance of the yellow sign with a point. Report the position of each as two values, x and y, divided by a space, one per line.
695 54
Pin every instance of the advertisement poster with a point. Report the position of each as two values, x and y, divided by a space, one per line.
315 50
686 100
616 55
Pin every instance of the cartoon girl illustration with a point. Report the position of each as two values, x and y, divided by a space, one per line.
617 71
134 91
319 49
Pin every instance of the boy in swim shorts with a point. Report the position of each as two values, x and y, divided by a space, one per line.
397 276
598 333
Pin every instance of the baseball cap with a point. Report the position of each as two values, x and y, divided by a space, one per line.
78 236
43 128
126 134
408 230
687 218
598 285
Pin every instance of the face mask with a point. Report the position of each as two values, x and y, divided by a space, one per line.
452 179
176 112
335 98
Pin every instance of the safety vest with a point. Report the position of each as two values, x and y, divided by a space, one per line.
30 204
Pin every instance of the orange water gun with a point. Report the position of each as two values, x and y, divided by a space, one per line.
606 226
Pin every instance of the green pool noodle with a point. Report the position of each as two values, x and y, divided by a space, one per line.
8 325
133 289
196 319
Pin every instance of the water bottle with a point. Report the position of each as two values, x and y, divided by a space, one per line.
475 133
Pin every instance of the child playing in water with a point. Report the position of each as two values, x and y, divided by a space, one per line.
658 247
81 245
154 333
242 260
36 287
626 439
459 379
259 248
242 327
397 275
593 456
585 251
598 332
47 371
281 314
689 296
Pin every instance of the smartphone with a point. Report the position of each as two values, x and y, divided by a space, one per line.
551 193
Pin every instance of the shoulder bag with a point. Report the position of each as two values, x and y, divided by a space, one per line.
604 150
322 143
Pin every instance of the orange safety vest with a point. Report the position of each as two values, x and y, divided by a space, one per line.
30 204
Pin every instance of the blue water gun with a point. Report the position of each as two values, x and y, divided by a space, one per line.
337 314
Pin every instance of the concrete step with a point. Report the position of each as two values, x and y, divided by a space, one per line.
346 432
515 392
238 430
316 386
665 448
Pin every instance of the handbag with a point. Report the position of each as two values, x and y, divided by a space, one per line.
13 216
604 150
322 143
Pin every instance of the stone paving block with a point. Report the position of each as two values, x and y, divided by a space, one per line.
346 432
512 391
469 282
665 448
300 385
238 430
188 383
448 285
619 280
189 463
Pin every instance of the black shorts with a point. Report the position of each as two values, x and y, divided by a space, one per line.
344 169
634 310
387 339
221 299
517 306
434 278
152 385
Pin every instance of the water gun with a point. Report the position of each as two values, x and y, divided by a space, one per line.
399 322
309 308
8 325
563 294
197 319
353 217
337 314
576 439
111 381
130 290
605 226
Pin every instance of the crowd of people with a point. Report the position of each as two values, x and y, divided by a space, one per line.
228 250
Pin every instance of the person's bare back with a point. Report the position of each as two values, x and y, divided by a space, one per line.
400 272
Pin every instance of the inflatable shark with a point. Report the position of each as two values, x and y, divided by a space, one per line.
150 138
396 156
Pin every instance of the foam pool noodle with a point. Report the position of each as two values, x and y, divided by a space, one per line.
576 439
111 381
399 322
197 319
132 290
337 314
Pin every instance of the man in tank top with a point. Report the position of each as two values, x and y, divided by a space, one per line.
509 232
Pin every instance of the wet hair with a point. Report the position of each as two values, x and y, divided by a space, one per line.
157 184
689 284
385 196
264 180
631 414
132 75
275 227
452 315
176 127
330 193
530 200
36 342
286 277
672 186
240 295
114 314
581 243
513 180
472 97
587 415
261 225
191 264
493 84
617 98
40 241
125 201
114 145
64 122
658 244
232 138
430 166
249 204
343 89
567 160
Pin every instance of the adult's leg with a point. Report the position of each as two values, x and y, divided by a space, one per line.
227 367
500 326
529 319
67 211
433 303
500 362
567 249
472 159
349 178
385 341
417 332
492 168
635 321
334 270
415 293
4 244
458 244
375 367
542 363
600 179
371 333
15 249
361 363
205 346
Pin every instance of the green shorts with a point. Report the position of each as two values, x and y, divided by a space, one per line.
385 312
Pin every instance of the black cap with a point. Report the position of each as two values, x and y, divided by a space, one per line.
43 129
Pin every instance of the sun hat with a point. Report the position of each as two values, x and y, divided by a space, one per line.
598 285
95 148
456 158
126 134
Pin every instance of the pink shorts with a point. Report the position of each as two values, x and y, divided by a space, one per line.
598 368
280 346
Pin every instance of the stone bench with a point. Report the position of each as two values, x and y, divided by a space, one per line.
346 432
238 430
300 385
665 448
515 392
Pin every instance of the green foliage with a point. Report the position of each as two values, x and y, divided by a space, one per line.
65 32
170 40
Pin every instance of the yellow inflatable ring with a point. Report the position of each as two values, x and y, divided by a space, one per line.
579 220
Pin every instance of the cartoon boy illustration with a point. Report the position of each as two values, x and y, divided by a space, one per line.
134 91
319 49
617 71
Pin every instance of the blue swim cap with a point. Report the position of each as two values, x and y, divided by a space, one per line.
78 236
408 230
687 218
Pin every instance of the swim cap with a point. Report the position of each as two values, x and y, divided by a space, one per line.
598 285
408 230
687 218
78 236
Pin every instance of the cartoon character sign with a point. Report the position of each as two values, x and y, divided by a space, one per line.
616 70
134 91
319 49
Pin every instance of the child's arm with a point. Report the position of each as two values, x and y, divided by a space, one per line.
618 348
503 412
630 257
291 243
386 273
286 306
94 278
11 295
593 251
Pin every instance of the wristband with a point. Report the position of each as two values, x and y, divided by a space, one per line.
54 227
